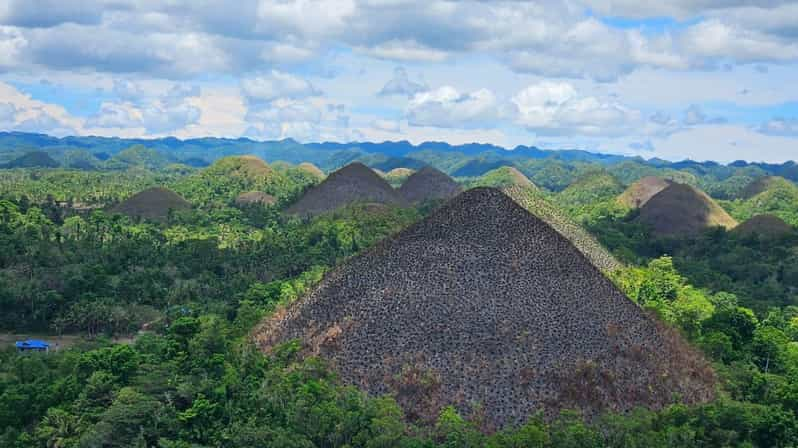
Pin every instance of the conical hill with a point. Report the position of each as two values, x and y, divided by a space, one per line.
642 190
153 203
483 303
353 183
769 226
429 184
681 209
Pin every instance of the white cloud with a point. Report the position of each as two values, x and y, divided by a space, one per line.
166 113
445 107
556 108
715 39
274 85
780 126
405 50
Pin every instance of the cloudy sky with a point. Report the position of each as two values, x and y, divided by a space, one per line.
682 78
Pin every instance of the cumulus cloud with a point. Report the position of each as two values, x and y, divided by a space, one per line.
157 115
557 108
47 13
445 107
274 85
183 38
401 84
786 127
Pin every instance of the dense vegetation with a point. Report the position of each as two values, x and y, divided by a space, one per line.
194 286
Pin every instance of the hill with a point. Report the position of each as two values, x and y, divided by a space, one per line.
502 177
255 197
248 167
642 190
138 156
590 187
353 183
483 303
683 210
153 203
429 184
764 184
479 166
536 204
765 225
397 176
768 195
311 169
33 159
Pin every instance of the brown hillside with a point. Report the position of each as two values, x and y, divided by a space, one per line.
429 184
642 190
683 210
484 303
535 203
255 197
311 169
153 203
765 225
353 183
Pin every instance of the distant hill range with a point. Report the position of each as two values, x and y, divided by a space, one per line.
34 159
329 156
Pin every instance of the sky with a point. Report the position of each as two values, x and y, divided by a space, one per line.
699 79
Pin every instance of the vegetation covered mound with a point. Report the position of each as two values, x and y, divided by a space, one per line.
311 169
763 184
484 303
535 203
502 177
590 187
397 176
768 195
152 203
642 190
247 166
353 183
765 225
34 159
429 184
683 210
255 197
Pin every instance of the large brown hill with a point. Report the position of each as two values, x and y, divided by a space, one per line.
153 203
531 199
484 303
683 210
353 183
637 194
429 184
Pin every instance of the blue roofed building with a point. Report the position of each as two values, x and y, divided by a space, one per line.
32 345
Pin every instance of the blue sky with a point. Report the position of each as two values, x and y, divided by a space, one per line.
678 79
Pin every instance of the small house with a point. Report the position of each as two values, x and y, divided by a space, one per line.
32 345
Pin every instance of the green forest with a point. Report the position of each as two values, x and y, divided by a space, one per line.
161 311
